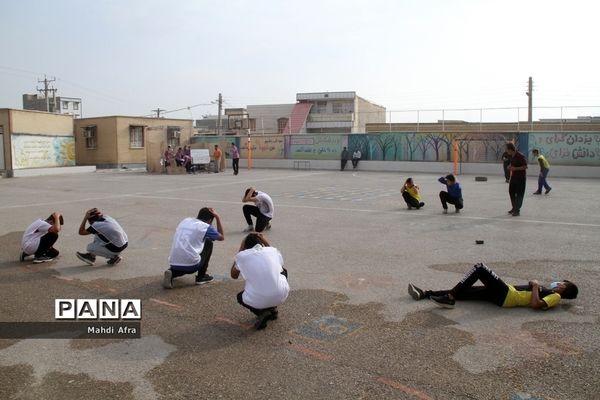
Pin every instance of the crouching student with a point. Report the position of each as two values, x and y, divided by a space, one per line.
266 286
453 195
109 238
39 238
411 195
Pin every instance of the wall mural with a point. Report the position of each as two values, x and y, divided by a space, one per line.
579 148
559 148
36 151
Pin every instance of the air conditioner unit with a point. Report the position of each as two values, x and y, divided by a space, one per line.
176 134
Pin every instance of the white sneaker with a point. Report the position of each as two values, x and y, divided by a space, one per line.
249 228
168 279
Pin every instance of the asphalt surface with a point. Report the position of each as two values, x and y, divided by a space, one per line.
348 330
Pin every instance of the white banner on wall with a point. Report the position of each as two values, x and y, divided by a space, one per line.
35 151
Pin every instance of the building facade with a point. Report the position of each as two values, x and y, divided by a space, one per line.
34 139
59 104
131 142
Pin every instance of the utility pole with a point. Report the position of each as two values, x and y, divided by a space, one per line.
157 111
530 105
219 115
46 90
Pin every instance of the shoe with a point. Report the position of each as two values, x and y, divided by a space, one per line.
445 211
168 279
274 314
249 228
410 207
415 292
457 210
421 204
516 213
537 192
114 260
548 191
87 258
262 319
268 226
23 256
510 211
201 280
42 259
443 301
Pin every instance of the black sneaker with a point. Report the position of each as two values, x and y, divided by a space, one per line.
42 259
510 211
87 258
114 260
262 319
415 292
201 280
537 192
421 204
516 213
443 301
548 191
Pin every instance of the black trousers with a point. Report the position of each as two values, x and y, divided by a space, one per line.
201 267
261 220
45 248
493 290
446 198
344 162
411 201
516 191
355 162
236 165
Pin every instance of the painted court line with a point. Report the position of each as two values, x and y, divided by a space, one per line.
312 353
165 303
406 389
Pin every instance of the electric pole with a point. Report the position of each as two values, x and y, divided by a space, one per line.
46 89
219 115
157 111
530 105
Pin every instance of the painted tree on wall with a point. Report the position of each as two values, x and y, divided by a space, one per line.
360 142
436 140
386 142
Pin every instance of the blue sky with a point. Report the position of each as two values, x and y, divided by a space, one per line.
129 57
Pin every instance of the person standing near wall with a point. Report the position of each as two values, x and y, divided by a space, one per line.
235 158
544 169
344 159
518 179
217 157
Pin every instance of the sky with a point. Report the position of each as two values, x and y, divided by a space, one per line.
129 57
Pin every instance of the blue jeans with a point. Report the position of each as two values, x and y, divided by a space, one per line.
542 180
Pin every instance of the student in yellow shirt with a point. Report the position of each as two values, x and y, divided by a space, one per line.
496 291
411 195
544 169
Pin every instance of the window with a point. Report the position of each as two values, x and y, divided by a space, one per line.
173 134
281 124
252 124
75 105
65 104
89 133
321 107
340 107
136 137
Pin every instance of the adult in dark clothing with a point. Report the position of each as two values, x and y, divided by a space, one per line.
344 158
518 179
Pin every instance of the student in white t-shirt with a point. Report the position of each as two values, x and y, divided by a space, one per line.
109 238
39 238
263 210
192 247
267 286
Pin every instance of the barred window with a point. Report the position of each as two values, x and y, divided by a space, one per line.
136 137
90 133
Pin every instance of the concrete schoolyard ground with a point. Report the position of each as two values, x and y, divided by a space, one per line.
348 330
